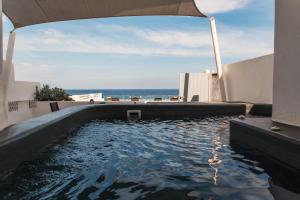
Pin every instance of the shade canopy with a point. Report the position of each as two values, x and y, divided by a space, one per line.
28 12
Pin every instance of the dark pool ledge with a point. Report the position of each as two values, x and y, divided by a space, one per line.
23 129
23 141
282 147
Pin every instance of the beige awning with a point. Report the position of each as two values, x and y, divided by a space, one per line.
28 12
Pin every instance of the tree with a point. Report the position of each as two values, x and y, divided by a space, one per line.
51 94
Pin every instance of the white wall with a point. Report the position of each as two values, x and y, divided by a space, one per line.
286 107
250 80
20 92
17 91
181 84
23 113
43 107
215 89
198 87
3 118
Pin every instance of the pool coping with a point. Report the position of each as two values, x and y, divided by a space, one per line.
24 128
255 134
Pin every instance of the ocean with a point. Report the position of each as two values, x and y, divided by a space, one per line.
127 93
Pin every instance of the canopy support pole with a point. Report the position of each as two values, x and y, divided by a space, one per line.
217 55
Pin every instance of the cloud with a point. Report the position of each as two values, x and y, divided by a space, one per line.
246 43
150 42
4 18
178 38
190 44
35 72
57 41
220 6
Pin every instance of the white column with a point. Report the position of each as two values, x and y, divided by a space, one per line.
1 40
217 55
3 114
7 77
10 47
286 93
216 46
8 64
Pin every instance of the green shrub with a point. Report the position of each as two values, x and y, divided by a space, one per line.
51 94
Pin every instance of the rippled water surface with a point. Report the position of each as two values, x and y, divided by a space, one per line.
142 160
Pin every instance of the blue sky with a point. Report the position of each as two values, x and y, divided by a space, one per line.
140 52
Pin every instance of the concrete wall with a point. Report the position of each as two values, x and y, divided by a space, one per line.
286 107
22 90
19 92
43 107
3 117
2 108
24 112
215 89
199 87
14 95
181 84
250 80
196 87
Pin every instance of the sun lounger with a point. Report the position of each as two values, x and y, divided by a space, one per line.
115 99
174 98
135 99
112 99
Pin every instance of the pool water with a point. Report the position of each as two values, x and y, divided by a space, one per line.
181 159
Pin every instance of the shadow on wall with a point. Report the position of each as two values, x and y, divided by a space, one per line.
195 98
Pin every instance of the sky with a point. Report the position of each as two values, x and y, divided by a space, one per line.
140 52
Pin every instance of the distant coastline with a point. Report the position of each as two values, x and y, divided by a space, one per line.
127 93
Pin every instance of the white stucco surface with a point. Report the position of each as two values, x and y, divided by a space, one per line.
286 107
19 92
43 107
198 87
250 81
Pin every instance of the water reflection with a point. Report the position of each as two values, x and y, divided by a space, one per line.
189 159
214 161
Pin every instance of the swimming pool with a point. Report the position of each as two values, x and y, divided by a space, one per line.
174 159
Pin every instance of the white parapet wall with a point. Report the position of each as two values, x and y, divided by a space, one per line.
3 117
23 110
18 96
194 87
199 87
15 102
43 107
250 80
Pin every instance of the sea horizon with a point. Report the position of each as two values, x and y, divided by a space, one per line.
127 93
